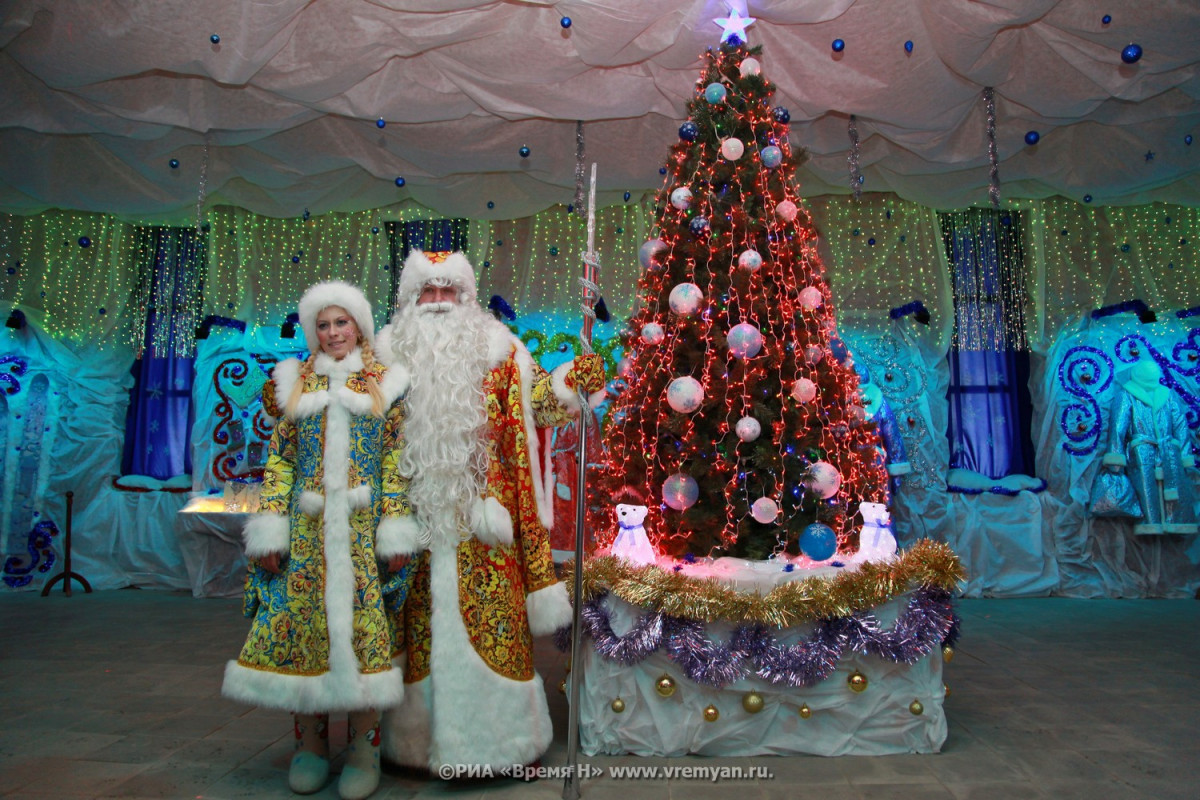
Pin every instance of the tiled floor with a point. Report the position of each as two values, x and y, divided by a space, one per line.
116 694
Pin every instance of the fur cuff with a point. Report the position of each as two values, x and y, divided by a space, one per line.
311 503
491 523
549 609
399 536
899 468
565 394
1114 460
266 534
395 383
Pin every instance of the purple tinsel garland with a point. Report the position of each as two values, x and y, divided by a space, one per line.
927 622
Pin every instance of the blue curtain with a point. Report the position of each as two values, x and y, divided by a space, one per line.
991 410
158 423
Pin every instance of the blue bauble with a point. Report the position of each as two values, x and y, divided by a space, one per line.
818 541
375 230
524 151
1107 18
1032 137
1087 198
1132 53
85 241
688 132
839 349
553 250
715 93
565 22
772 157
663 170
781 115
627 196
400 181
491 204
908 46
838 45
295 259
215 39
1188 140
698 225
381 123
173 163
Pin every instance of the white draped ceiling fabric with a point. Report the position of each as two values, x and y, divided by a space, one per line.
280 115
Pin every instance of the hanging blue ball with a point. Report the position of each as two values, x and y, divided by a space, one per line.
698 225
838 45
715 92
908 46
295 259
1132 53
381 123
1032 137
85 241
688 132
1087 198
1107 18
627 196
524 151
1188 140
491 204
781 115
215 39
565 22
173 163
771 157
818 541
663 170
400 181
553 250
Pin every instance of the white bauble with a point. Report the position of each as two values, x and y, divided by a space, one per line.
764 510
649 252
810 298
685 298
625 367
750 260
744 340
813 354
824 479
786 210
750 66
685 394
680 491
804 390
681 198
748 429
732 148
653 333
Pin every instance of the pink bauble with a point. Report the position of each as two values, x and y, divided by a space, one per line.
750 66
685 298
786 210
653 333
648 253
813 354
764 510
680 491
748 429
625 367
744 340
750 260
810 298
824 479
804 390
857 415
732 148
681 198
685 394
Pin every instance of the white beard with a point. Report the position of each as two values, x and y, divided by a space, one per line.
445 348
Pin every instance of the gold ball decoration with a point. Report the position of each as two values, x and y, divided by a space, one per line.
752 702
947 654
562 686
916 708
711 714
618 705
945 689
805 711
857 682
665 685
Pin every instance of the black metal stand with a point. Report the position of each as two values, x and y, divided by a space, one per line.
66 575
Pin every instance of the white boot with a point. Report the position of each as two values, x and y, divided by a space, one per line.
309 771
360 776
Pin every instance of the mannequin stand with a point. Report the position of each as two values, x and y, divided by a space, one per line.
67 575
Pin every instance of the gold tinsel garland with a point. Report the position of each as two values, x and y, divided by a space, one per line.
927 563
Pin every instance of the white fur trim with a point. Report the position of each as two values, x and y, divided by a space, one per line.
395 383
565 394
419 270
266 534
311 503
312 694
284 375
1114 460
325 364
899 468
354 402
491 523
399 536
334 293
549 609
543 476
501 344
359 497
512 726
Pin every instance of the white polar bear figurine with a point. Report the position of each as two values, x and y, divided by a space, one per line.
632 544
875 540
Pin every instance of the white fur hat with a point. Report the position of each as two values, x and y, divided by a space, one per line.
420 269
321 296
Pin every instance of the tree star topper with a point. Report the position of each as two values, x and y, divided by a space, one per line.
734 26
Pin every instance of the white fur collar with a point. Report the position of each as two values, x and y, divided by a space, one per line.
326 365
500 344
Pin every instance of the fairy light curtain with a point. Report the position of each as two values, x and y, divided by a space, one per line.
158 422
990 406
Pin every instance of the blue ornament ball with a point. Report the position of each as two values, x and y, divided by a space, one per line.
381 123
781 115
1188 140
553 250
1032 137
375 230
524 151
173 163
215 39
400 181
627 196
1132 53
1107 18
85 241
698 225
491 204
565 22
663 170
715 93
295 259
1087 198
688 132
838 45
772 157
908 46
818 541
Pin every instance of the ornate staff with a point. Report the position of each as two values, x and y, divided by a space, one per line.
591 293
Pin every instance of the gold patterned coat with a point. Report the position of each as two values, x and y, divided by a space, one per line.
321 638
478 597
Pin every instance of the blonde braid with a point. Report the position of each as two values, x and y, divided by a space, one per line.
370 368
293 401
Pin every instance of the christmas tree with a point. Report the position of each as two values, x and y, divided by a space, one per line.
742 423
